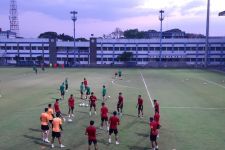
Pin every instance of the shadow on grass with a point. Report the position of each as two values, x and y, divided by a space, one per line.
35 130
138 148
32 138
143 135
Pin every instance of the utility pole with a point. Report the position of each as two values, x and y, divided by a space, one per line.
207 34
161 18
74 19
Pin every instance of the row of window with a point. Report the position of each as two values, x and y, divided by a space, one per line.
158 48
77 59
167 59
23 48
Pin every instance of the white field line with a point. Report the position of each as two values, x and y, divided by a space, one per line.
200 108
119 85
146 87
212 82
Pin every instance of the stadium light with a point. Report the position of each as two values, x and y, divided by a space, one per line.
161 18
74 19
207 34
222 13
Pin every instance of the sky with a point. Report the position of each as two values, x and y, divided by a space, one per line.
100 17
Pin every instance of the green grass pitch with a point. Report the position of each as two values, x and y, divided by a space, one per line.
192 108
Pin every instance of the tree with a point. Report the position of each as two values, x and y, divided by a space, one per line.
134 34
125 56
48 35
117 34
64 37
81 39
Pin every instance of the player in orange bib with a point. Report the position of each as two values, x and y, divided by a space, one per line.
44 125
50 113
56 130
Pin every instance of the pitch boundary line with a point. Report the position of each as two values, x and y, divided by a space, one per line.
212 82
200 108
146 87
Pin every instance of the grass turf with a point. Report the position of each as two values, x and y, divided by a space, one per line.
191 112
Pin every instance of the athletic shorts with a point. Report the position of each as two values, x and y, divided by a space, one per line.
103 95
50 121
120 75
92 141
71 107
115 131
56 134
81 92
140 107
44 127
58 113
153 138
93 105
120 106
116 74
62 93
88 93
104 119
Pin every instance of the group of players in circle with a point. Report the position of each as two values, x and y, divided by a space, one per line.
53 117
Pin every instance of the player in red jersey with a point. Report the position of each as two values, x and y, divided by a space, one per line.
153 134
104 116
156 105
85 83
92 103
91 132
114 121
71 102
57 109
156 119
140 106
120 104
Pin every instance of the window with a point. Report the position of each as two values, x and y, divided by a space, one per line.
39 48
122 48
45 48
8 47
117 48
27 47
145 48
33 48
21 48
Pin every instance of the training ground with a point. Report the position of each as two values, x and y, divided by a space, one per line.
192 108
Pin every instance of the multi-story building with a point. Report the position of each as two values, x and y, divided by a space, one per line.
106 51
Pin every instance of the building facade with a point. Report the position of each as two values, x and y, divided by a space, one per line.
106 51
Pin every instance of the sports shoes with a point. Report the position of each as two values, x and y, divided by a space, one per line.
62 146
95 113
89 113
117 143
110 141
47 141
107 128
72 115
52 146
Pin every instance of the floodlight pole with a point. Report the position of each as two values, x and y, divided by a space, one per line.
74 19
207 34
161 18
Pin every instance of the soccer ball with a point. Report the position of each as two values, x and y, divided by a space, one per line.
86 105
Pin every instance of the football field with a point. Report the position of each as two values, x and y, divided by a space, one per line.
192 108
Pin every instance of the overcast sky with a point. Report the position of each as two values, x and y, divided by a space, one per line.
100 17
